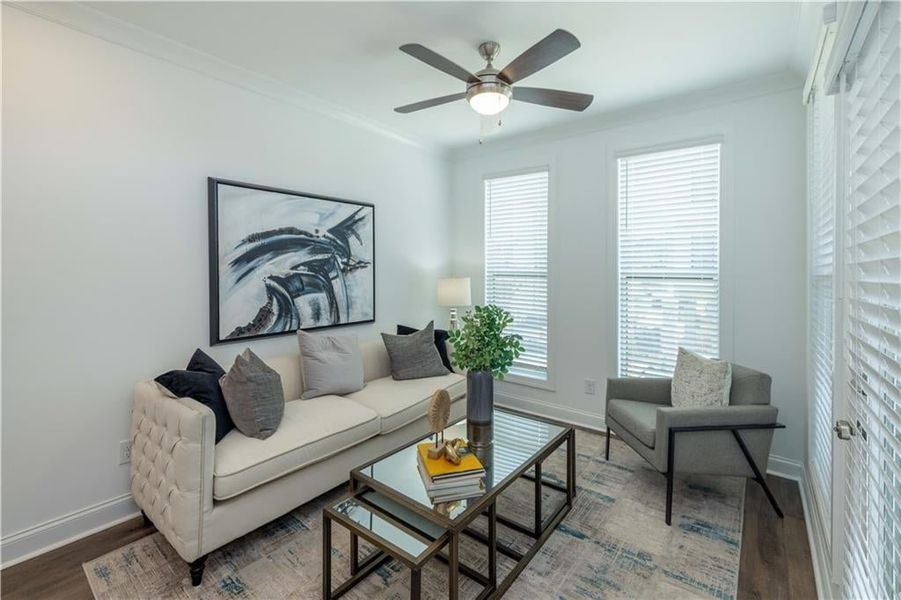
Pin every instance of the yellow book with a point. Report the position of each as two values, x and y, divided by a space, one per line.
441 468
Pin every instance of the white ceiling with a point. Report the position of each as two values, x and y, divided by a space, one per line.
346 53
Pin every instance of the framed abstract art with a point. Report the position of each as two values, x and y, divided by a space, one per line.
282 260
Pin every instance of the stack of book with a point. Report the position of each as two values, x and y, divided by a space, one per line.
445 482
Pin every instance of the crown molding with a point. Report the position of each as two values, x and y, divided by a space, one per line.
88 20
748 89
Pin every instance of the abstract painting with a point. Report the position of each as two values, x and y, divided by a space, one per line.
282 261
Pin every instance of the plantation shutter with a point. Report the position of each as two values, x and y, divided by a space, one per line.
668 255
516 210
821 217
872 111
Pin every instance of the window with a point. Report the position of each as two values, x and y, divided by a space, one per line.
668 258
516 262
821 188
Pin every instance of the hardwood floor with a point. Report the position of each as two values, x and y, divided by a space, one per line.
775 556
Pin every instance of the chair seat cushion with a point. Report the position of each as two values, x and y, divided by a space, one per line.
639 418
310 431
400 402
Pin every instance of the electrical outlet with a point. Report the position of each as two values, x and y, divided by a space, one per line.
124 452
591 387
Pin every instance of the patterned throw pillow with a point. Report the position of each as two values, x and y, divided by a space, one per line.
254 395
700 382
414 356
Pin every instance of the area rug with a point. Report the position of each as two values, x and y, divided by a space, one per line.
613 544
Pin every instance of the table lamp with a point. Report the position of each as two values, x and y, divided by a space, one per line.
454 292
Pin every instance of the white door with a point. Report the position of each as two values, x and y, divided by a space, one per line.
867 514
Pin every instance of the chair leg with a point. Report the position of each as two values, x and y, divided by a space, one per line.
607 451
196 568
147 521
758 476
669 498
670 475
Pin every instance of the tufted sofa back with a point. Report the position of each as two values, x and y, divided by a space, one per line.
375 366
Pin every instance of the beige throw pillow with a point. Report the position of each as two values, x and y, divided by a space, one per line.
700 382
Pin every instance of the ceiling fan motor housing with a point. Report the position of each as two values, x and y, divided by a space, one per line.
489 82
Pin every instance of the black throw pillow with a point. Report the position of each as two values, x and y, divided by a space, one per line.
441 338
200 382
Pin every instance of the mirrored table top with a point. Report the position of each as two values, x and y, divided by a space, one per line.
517 439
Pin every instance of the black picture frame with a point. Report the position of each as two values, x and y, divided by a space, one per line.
213 184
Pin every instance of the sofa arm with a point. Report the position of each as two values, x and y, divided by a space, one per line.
642 389
172 455
715 452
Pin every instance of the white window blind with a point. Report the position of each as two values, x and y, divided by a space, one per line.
516 209
668 255
821 189
872 219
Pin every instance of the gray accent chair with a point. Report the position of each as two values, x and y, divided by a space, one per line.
724 440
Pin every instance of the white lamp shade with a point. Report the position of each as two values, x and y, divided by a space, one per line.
454 292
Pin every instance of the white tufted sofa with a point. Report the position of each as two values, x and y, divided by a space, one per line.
201 495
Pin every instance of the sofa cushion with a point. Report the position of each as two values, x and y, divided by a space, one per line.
639 418
311 430
400 402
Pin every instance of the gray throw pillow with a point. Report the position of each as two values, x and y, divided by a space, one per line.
700 382
332 364
414 356
254 396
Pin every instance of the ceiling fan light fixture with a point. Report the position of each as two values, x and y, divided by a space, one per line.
489 98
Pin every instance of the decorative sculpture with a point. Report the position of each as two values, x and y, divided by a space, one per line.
438 415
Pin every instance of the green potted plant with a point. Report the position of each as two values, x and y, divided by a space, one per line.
485 352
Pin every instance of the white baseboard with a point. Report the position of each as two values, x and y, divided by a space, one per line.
582 418
816 537
786 468
44 537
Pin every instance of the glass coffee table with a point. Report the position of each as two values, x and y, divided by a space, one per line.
388 506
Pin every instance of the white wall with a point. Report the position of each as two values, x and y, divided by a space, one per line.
105 157
763 242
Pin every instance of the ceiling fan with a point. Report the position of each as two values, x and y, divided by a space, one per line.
489 91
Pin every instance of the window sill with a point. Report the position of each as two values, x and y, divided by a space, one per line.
534 382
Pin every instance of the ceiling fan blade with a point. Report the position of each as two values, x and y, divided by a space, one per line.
548 51
553 98
434 59
429 103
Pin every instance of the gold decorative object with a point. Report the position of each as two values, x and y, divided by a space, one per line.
438 415
451 451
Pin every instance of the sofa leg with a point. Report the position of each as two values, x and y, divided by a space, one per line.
758 476
147 521
607 450
197 570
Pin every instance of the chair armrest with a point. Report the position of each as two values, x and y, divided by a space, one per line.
642 389
714 452
745 414
173 442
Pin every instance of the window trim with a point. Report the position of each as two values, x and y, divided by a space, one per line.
726 238
549 166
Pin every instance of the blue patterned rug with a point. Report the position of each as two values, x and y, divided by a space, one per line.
612 544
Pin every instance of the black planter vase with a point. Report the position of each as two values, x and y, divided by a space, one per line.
480 408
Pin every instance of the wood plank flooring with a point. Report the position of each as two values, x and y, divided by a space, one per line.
775 556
